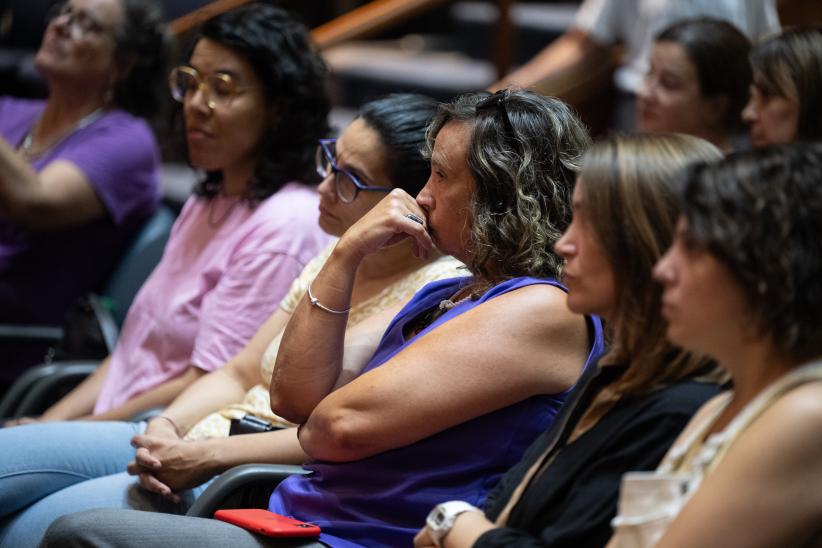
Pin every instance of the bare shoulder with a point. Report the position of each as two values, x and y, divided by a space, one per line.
536 319
542 303
801 408
786 434
538 312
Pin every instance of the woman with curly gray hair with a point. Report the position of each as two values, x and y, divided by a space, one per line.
521 202
741 284
466 375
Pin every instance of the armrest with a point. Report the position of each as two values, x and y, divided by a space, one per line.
73 345
31 332
18 391
41 386
237 478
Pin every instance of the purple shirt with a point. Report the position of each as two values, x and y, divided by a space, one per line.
224 271
43 273
382 500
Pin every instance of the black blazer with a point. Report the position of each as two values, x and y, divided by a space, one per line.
572 502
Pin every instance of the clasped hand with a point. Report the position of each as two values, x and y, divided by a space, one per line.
166 464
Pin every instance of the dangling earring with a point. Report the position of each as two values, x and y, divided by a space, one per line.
108 96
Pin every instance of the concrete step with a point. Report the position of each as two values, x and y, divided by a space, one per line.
442 65
535 24
365 70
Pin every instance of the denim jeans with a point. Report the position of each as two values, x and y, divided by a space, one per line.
52 469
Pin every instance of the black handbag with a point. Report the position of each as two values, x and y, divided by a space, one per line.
251 425
89 332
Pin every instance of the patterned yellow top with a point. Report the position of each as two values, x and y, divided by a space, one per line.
256 401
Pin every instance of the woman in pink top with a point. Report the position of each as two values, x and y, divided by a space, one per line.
253 106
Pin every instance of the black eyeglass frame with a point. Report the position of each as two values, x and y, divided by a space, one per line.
325 148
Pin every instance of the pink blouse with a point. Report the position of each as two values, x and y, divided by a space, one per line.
224 270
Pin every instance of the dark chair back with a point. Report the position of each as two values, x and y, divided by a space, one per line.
138 262
43 385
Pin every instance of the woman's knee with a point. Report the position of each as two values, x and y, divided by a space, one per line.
72 530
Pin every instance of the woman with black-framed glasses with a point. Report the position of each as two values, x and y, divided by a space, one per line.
79 172
346 184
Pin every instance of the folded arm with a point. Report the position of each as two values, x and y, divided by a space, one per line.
509 348
166 463
310 361
570 55
59 196
229 384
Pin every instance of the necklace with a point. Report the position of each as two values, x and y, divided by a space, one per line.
25 147
215 223
428 317
448 304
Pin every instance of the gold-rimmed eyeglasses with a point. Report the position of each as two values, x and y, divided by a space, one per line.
219 88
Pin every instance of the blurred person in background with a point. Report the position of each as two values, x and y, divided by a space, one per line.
785 103
697 82
78 171
600 25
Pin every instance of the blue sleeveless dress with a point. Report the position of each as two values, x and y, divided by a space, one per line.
383 500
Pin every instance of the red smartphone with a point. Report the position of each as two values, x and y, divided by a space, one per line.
268 523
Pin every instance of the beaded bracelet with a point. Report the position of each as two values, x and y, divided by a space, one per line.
316 302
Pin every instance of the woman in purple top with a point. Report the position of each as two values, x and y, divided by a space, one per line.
79 171
467 374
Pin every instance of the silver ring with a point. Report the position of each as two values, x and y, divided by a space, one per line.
414 218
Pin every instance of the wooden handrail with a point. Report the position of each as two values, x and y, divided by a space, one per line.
199 16
358 23
504 38
799 12
369 19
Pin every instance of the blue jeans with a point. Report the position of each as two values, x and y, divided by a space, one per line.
52 469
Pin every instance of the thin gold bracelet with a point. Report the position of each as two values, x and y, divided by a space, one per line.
174 424
316 302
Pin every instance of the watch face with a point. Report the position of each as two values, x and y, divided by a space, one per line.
438 518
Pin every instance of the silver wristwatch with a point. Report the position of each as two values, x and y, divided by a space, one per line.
442 517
